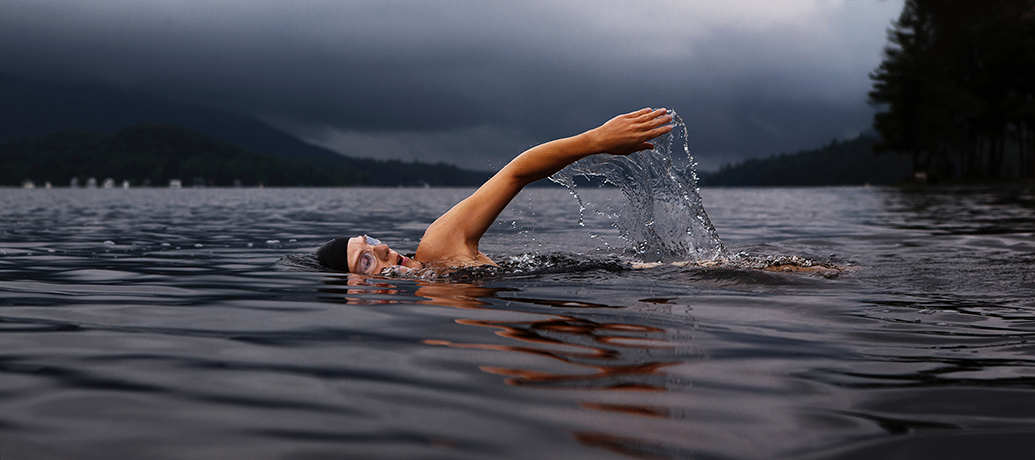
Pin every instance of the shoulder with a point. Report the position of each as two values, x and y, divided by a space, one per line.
446 242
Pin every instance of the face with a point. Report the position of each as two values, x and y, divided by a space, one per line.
369 256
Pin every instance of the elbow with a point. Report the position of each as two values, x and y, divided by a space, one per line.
517 178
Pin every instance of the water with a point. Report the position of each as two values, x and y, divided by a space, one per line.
662 218
156 323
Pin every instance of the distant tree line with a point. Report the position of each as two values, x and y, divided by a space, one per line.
394 173
850 162
154 154
955 89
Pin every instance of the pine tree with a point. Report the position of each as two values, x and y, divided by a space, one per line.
956 87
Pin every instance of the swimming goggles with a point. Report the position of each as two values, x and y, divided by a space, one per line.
367 263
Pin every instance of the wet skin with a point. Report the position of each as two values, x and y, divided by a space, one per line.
369 256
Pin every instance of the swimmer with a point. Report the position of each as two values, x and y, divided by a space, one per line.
452 240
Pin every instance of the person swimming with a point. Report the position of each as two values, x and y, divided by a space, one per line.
452 239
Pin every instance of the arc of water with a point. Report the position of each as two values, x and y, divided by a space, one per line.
663 216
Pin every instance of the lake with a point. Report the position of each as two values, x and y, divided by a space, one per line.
191 323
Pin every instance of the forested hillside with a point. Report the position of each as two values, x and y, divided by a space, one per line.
152 154
850 162
38 117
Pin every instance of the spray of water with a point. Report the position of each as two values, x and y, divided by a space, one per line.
663 216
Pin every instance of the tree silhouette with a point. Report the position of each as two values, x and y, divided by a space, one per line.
956 88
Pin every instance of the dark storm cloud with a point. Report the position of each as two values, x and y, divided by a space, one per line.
474 82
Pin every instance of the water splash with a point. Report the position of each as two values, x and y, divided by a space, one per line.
663 217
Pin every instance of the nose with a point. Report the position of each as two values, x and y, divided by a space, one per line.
381 251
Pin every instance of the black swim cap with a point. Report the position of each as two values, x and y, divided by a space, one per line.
335 254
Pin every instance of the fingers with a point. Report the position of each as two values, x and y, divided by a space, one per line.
655 128
651 119
665 120
656 123
631 132
648 116
645 114
651 113
661 130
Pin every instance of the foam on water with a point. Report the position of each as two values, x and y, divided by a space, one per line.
663 216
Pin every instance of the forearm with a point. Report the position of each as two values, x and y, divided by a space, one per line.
621 135
543 160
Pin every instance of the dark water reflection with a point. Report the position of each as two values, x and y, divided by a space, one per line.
964 210
601 349
593 355
185 324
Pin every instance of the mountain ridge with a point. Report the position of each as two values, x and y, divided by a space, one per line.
33 109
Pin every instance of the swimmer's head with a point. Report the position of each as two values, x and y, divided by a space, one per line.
361 254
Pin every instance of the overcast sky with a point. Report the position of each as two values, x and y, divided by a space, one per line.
475 82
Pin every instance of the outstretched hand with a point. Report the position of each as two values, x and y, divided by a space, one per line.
629 133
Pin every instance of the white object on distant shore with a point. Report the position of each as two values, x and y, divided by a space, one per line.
28 183
175 183
109 183
125 184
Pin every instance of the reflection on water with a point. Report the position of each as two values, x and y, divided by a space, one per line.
596 356
189 324
966 210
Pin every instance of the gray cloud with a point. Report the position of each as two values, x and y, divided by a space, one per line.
471 82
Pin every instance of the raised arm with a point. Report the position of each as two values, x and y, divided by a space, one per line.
455 235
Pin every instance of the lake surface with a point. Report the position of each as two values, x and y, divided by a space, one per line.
156 323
